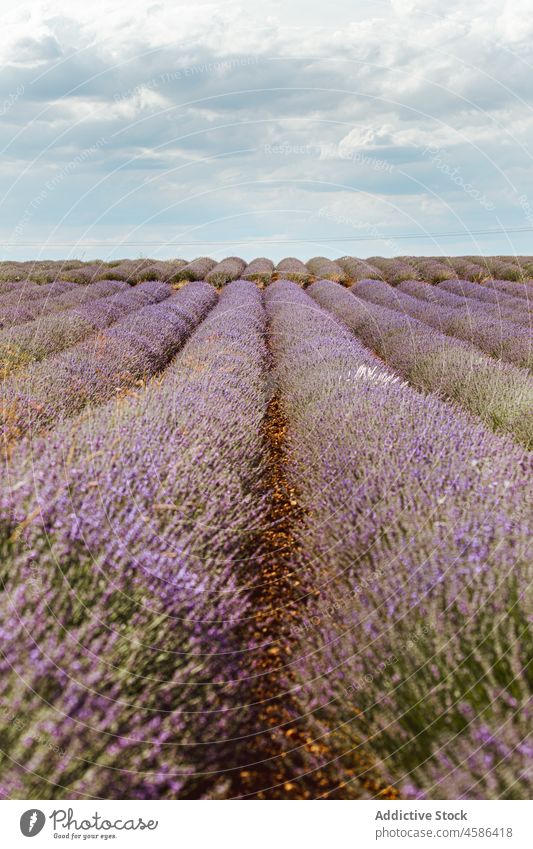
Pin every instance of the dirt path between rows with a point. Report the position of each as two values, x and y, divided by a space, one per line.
287 756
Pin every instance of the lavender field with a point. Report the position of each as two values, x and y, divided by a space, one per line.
265 528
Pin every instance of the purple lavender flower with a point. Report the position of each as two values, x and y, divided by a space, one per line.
291 268
432 270
224 272
500 339
394 270
121 536
480 292
326 269
260 270
468 268
358 269
198 269
29 310
499 393
418 515
523 289
115 361
500 312
37 339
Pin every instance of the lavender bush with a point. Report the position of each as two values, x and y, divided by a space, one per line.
118 359
140 270
321 267
432 270
39 272
120 539
504 311
27 292
88 273
34 308
358 269
508 287
7 286
503 268
127 270
167 272
197 269
20 286
260 270
226 271
418 516
499 393
33 341
48 271
468 269
499 339
291 268
393 270
487 294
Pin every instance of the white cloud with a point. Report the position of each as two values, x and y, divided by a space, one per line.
203 87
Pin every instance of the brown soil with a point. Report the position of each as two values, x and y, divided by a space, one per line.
285 746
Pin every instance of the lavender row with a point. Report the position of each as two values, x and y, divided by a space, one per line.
259 269
167 272
484 293
89 273
501 312
503 267
393 270
465 268
291 268
127 271
115 361
41 272
226 271
23 344
416 517
320 266
499 393
136 271
29 293
500 339
8 286
432 270
120 541
358 269
30 310
480 268
197 269
508 287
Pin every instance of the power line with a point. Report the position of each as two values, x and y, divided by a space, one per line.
324 239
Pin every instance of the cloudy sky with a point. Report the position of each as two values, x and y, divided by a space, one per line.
281 128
